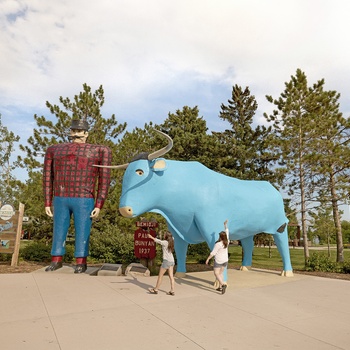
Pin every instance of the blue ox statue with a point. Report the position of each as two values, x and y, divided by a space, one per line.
195 201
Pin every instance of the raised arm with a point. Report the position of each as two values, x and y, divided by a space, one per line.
150 236
226 230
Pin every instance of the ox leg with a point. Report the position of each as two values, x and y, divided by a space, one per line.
225 274
247 246
181 253
281 240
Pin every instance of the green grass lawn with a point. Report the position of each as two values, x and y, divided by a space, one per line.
262 258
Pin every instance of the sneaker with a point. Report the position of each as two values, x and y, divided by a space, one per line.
224 286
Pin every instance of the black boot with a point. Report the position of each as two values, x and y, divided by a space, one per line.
80 268
55 265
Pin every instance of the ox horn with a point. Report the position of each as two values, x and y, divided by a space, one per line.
151 156
163 150
122 166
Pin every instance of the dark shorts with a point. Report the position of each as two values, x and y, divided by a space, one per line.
166 264
216 265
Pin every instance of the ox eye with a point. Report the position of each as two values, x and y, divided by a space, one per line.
139 172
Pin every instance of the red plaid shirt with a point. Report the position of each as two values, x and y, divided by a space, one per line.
69 172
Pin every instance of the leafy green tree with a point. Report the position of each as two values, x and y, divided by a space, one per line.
296 123
346 231
9 186
243 151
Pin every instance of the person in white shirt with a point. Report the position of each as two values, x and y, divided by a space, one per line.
167 264
220 252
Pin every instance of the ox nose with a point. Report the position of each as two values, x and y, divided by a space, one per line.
126 212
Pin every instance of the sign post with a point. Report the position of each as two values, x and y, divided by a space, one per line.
10 231
145 248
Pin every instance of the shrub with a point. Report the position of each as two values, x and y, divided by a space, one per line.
5 257
198 251
69 256
36 251
320 262
41 252
346 267
112 246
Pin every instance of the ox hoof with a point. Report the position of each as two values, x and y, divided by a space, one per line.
180 274
287 273
245 268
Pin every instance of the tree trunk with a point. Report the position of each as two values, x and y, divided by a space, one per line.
336 218
303 214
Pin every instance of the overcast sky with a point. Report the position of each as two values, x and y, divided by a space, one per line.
153 57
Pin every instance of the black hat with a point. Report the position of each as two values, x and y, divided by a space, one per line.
79 124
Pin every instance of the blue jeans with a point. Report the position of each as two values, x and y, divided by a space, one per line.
63 208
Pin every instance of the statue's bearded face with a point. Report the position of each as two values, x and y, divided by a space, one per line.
78 136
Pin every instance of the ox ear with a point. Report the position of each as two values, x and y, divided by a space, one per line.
158 164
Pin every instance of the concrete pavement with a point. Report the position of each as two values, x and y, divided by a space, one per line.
260 310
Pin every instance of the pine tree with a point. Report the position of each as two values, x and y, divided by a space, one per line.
86 105
305 124
189 134
243 151
330 159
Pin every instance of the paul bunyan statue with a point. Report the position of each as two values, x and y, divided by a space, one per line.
69 182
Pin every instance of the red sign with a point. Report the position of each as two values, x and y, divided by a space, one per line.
146 224
144 247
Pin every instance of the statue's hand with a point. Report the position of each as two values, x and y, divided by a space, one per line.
95 213
48 211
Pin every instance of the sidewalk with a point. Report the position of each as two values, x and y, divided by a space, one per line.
260 310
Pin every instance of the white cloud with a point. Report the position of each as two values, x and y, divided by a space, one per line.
153 57
136 48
